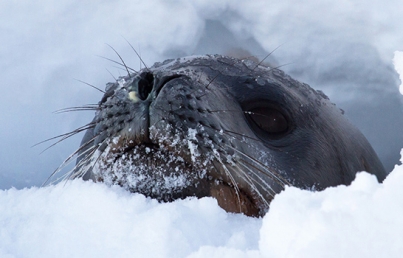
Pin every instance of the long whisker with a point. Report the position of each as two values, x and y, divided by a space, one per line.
92 86
269 54
81 168
262 183
66 135
69 159
113 61
66 176
277 67
252 182
136 53
111 75
231 179
121 59
281 180
90 107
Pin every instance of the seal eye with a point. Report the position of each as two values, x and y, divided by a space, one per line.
145 85
269 120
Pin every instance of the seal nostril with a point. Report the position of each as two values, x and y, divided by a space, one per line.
145 85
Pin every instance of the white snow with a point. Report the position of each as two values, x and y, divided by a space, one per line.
85 219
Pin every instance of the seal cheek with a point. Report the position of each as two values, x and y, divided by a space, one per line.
231 201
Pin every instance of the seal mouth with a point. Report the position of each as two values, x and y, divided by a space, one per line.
234 200
163 174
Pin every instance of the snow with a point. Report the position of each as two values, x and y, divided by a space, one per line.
85 219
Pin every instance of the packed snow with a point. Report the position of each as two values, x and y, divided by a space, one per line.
85 219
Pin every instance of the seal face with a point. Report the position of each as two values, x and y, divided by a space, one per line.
222 127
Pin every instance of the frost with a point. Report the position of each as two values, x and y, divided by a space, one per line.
192 144
121 82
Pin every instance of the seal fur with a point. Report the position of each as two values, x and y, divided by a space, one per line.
223 127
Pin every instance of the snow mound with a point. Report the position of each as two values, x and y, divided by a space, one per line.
85 219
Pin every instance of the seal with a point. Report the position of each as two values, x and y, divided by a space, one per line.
223 127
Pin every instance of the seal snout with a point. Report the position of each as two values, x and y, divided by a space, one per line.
148 83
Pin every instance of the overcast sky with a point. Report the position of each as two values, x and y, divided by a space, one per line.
340 47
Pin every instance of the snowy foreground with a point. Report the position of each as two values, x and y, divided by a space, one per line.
84 219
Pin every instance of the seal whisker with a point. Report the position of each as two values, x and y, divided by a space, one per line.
84 165
121 59
235 134
252 182
66 176
241 173
70 158
65 136
254 170
269 54
92 86
228 132
279 66
111 75
281 180
214 78
223 130
226 170
90 107
261 182
78 171
116 62
136 53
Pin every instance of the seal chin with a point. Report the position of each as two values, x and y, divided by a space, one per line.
166 175
235 200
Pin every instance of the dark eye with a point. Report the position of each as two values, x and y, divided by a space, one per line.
269 120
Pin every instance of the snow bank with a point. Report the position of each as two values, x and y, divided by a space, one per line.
84 219
362 220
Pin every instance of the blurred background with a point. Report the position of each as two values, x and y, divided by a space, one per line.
344 48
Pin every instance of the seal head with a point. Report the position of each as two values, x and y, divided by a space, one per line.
222 127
